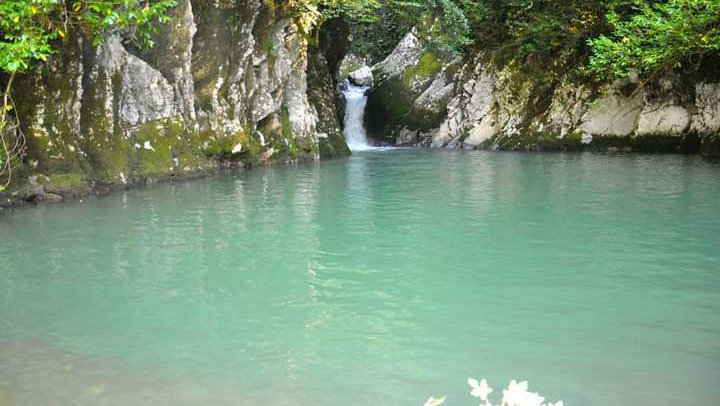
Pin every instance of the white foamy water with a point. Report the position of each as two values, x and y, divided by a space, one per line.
355 133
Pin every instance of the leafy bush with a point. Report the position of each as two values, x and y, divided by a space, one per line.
656 37
554 38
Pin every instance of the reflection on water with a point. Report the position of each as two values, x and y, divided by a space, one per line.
383 278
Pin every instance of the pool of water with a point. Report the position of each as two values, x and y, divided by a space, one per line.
383 278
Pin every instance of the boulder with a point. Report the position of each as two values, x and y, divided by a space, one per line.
362 76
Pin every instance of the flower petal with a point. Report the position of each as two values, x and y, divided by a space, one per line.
434 401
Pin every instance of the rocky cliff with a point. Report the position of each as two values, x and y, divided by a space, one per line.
473 104
226 83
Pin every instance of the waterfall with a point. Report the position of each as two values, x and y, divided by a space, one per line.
355 101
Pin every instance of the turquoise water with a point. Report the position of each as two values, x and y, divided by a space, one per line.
383 279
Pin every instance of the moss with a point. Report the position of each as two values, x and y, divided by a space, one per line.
535 141
219 147
67 180
165 147
332 146
384 120
66 184
264 30
251 146
41 100
103 140
287 133
548 141
428 65
153 152
307 147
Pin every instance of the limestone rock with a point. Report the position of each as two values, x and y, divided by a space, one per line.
362 76
52 198
218 73
613 115
406 53
349 64
413 87
663 120
706 120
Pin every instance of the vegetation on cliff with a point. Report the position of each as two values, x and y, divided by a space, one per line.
31 30
595 39
591 40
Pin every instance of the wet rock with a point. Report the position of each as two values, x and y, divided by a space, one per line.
52 198
362 76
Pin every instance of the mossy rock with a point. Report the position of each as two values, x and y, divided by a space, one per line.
391 106
331 141
428 65
392 103
531 141
534 141
333 146
66 184
165 148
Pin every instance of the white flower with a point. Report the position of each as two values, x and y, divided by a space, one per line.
533 399
479 390
435 401
514 395
559 403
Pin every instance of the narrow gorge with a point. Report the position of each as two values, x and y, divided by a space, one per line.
242 83
359 202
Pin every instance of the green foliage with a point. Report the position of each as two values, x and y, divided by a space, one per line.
354 11
379 37
378 25
550 38
29 28
657 37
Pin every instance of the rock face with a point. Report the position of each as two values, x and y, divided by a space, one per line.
411 95
478 106
226 82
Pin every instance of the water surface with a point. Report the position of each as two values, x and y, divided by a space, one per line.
383 278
